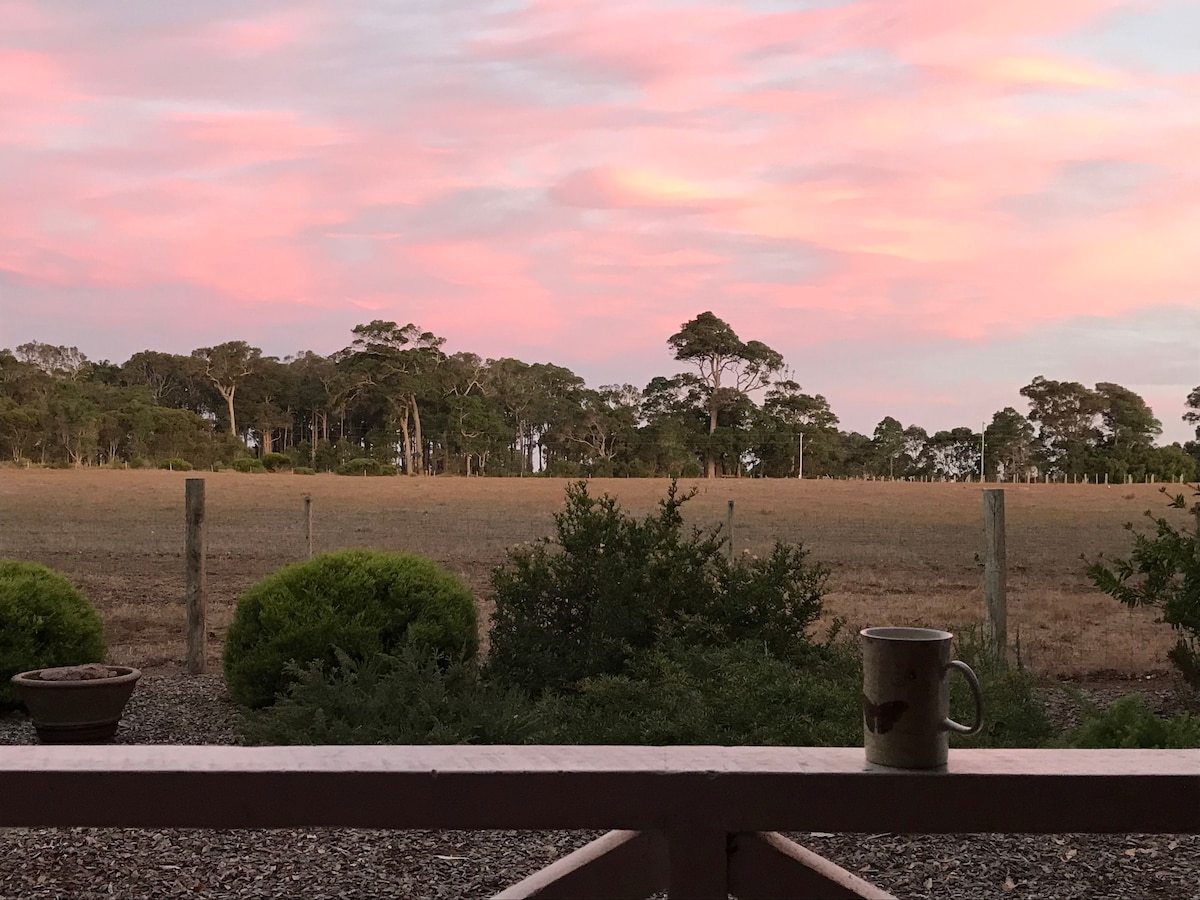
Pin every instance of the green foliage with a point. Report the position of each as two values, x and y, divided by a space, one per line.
44 621
1012 714
303 470
248 464
608 588
364 602
175 464
274 462
414 696
361 466
1130 724
722 695
1162 571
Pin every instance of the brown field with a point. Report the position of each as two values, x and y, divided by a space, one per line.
900 553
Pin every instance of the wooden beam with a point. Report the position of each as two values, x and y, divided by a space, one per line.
764 865
698 862
572 787
621 865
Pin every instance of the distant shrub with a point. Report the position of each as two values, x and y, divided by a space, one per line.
44 621
364 602
138 463
414 696
248 464
175 464
388 469
360 466
1130 724
274 462
303 470
608 588
219 466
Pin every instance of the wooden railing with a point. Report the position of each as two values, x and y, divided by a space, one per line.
699 822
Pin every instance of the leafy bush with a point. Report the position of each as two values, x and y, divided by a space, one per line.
360 466
608 588
1162 571
175 464
1130 724
1012 714
248 464
365 602
44 621
731 695
411 697
303 470
274 462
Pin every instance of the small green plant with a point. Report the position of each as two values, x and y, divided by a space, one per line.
609 587
1130 724
414 696
275 462
1162 571
247 464
44 621
364 602
175 464
303 470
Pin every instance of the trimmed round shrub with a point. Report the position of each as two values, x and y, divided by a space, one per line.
175 464
360 465
304 470
44 621
248 464
361 602
273 462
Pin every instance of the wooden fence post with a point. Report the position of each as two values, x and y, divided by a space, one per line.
197 631
308 524
994 574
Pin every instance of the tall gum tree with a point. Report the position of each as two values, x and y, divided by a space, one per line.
227 366
729 368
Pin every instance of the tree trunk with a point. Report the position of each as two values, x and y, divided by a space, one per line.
710 463
268 441
227 393
419 455
407 442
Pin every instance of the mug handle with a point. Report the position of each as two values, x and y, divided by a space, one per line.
973 682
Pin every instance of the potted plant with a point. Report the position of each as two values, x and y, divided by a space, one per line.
76 704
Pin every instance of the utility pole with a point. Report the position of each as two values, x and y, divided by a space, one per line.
801 475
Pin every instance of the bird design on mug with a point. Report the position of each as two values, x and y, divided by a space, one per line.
881 717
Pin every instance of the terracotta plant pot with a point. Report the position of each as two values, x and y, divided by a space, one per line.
76 704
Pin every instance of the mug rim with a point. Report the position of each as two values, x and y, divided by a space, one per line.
904 633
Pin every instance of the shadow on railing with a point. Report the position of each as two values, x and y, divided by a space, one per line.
698 822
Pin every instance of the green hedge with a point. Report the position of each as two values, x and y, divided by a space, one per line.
44 621
361 601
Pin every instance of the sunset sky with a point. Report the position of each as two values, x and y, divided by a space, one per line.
921 203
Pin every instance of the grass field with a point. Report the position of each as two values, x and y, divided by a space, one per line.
901 553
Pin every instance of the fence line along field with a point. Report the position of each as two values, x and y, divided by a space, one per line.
901 553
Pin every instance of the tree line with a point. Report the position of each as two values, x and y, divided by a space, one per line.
393 395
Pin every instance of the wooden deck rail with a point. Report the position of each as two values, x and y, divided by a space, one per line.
696 821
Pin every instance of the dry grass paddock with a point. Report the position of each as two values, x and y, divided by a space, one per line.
900 553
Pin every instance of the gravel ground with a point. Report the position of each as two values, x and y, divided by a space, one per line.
38 864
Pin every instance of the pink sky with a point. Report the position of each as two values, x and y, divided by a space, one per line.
921 203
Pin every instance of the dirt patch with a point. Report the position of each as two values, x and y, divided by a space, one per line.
901 553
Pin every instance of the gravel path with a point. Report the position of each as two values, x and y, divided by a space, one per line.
39 864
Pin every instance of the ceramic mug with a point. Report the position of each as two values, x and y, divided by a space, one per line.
906 698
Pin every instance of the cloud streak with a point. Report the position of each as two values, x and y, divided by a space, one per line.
571 180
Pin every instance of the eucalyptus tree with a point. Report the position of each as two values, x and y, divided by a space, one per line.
728 367
788 416
1066 414
1192 416
1008 445
888 443
227 366
399 365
